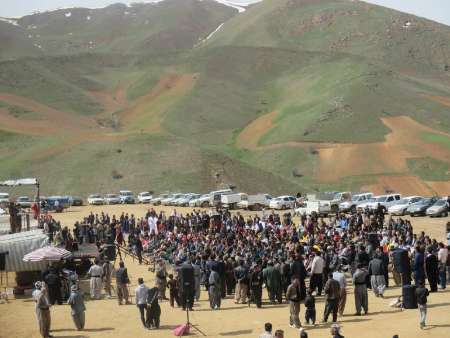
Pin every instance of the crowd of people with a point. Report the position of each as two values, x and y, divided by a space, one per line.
233 255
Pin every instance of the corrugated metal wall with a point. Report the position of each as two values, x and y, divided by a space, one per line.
18 245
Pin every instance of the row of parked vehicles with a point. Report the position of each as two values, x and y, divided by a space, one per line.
393 204
50 203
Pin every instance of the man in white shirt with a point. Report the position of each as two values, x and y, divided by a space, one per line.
339 276
141 300
153 224
442 258
317 266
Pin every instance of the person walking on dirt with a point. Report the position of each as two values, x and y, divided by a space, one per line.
76 302
122 282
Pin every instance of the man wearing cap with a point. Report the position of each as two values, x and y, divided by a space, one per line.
76 302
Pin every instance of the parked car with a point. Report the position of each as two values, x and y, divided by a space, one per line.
76 201
197 202
157 200
282 202
354 202
126 197
385 201
95 199
420 208
170 198
438 209
112 199
24 202
4 198
184 202
178 197
399 208
365 205
321 208
144 197
254 202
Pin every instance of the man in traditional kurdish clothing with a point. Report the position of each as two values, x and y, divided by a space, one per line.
42 309
161 279
107 272
76 302
96 273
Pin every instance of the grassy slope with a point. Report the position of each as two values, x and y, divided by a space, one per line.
330 69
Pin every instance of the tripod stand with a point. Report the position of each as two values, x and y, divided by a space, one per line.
190 325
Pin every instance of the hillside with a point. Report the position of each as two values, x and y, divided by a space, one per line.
287 96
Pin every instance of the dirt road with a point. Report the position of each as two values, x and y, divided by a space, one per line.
106 319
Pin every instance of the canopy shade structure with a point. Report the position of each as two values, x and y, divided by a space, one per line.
48 253
22 181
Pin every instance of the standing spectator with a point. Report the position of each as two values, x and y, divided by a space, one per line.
332 290
419 263
377 273
272 278
141 300
161 279
317 266
96 273
53 282
173 291
442 258
42 309
361 297
76 302
432 269
107 273
293 296
310 305
122 282
241 276
214 289
340 277
422 294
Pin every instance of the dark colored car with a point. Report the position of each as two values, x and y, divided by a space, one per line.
420 208
77 201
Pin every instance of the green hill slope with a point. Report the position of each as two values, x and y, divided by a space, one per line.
289 95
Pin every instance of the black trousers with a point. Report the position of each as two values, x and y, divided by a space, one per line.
54 295
310 315
331 306
316 281
142 308
256 296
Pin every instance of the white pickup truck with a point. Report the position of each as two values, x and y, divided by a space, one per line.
231 201
321 208
254 202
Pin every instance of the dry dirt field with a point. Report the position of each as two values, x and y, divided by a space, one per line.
105 318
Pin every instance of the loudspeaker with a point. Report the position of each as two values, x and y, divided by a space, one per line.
409 297
187 277
401 261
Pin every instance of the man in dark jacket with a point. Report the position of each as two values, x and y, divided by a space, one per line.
422 294
332 290
376 273
54 286
256 282
432 269
272 278
241 276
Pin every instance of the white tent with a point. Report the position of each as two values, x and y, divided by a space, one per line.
22 181
18 245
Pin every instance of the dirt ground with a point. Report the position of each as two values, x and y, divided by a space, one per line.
104 318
